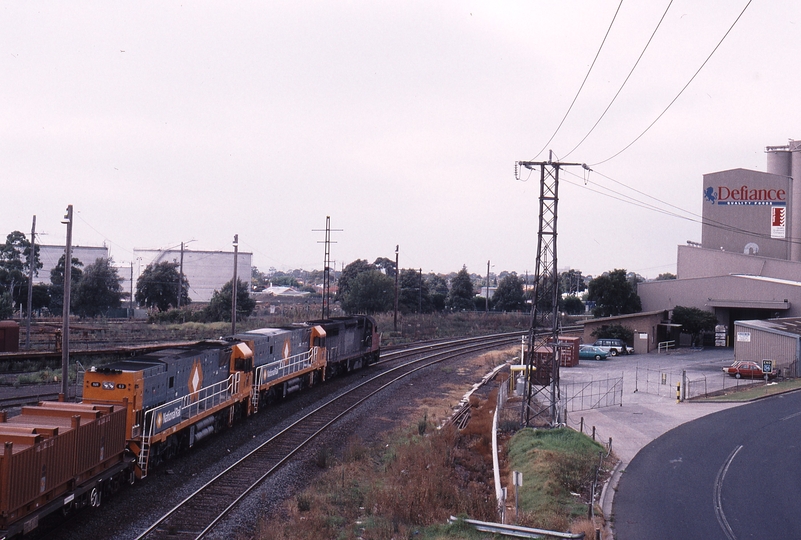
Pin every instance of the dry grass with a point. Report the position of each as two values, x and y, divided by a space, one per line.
410 481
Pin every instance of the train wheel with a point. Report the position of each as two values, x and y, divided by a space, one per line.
95 497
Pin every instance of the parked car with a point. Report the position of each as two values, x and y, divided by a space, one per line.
592 352
746 369
613 347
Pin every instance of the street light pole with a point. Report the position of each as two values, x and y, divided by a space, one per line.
486 297
181 277
65 324
31 268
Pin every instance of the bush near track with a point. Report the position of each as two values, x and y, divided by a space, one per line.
415 477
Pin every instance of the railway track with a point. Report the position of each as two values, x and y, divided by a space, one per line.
198 514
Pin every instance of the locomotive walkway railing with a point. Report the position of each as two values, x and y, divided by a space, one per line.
183 409
286 366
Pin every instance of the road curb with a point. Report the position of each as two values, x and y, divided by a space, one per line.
608 495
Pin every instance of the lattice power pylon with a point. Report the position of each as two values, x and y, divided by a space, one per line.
327 266
541 395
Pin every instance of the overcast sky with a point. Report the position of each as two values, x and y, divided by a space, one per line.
164 122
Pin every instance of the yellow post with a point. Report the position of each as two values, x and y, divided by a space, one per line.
678 392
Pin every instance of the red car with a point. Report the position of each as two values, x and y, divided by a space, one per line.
748 370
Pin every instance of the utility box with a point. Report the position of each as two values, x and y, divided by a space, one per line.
9 336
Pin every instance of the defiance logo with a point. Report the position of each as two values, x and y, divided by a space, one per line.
745 196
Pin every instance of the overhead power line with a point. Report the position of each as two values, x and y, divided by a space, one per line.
690 216
680 91
625 81
582 82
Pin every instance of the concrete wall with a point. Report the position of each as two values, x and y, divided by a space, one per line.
693 262
722 291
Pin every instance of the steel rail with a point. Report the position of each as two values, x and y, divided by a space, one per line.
200 512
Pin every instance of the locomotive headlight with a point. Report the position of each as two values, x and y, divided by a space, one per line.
108 385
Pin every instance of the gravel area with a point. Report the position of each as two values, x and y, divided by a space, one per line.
434 391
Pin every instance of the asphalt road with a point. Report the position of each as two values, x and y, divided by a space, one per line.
731 475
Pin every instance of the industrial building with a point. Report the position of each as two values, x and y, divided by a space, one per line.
50 255
748 264
206 271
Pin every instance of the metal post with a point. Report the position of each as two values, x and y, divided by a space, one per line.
397 273
420 297
65 325
181 276
32 267
234 287
486 296
131 303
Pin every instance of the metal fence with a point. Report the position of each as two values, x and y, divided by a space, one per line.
655 381
583 396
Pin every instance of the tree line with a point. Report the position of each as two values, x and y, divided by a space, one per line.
365 287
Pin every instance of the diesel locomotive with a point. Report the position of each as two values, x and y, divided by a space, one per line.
138 412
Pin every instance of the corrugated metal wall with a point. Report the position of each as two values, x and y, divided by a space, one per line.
757 345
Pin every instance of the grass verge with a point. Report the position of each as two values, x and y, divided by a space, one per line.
753 392
558 468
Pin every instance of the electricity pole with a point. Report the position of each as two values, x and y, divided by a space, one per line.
397 272
31 268
65 324
234 287
327 266
486 296
542 354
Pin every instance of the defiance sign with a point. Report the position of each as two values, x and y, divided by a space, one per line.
745 196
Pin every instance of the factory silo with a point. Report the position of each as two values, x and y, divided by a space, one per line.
786 161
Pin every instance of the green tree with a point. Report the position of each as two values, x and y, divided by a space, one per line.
571 282
157 286
56 287
693 321
219 308
572 305
369 292
666 276
15 266
615 331
385 265
349 273
509 294
98 290
41 297
413 294
6 306
438 291
258 280
279 279
613 294
460 296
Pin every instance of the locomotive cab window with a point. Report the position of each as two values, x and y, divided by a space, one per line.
172 382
